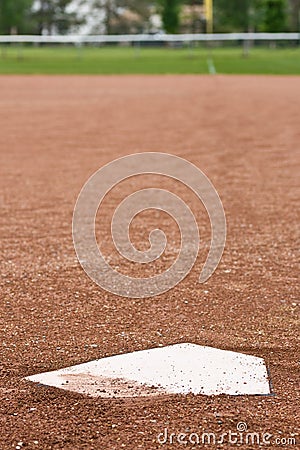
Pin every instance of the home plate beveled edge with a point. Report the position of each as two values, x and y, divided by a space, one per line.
174 369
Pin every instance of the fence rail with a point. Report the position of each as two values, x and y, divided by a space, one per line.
130 38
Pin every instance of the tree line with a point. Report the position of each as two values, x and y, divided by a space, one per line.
138 16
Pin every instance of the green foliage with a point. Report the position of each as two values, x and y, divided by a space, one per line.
14 16
234 15
250 15
170 13
275 15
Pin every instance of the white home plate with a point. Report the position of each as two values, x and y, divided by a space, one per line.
176 369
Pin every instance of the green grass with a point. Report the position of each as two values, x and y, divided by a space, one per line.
129 60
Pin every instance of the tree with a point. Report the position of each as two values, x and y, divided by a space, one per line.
14 16
52 16
120 16
294 15
192 18
134 16
170 13
275 15
237 15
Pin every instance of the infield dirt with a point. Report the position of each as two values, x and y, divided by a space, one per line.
244 133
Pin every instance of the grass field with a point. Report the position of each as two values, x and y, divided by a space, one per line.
135 60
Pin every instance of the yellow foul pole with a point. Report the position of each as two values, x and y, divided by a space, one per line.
209 15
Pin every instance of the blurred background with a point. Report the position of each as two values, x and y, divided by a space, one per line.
146 16
160 18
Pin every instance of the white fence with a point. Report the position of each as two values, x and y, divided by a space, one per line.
130 38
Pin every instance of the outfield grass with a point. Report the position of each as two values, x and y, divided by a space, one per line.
134 60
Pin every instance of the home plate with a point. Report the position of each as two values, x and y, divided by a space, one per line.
175 369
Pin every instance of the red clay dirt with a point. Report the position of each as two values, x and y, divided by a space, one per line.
244 133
